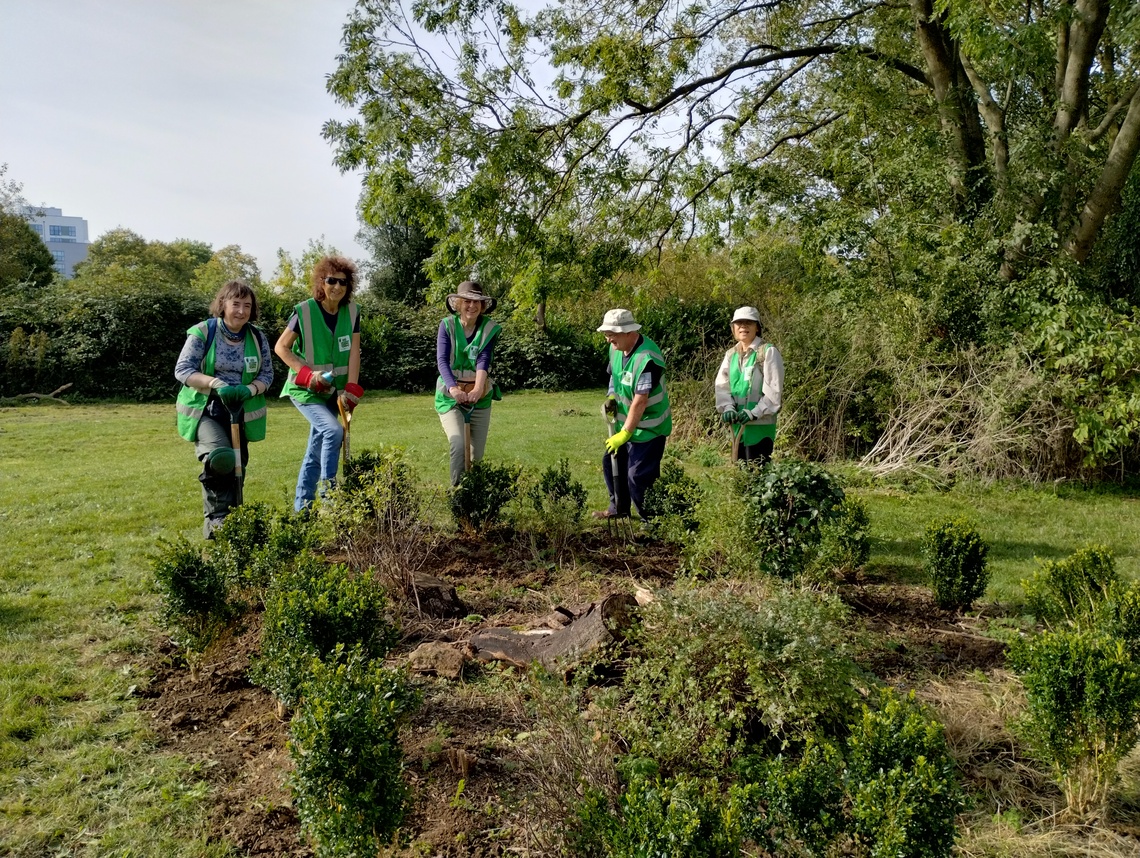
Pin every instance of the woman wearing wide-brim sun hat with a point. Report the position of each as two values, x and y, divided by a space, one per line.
750 388
464 351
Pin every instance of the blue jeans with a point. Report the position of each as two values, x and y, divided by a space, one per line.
323 453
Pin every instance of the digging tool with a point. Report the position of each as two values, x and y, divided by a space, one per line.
737 431
611 428
235 442
466 412
345 447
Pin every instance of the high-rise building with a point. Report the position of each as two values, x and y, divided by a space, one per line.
65 237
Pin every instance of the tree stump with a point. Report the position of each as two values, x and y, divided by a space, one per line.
603 623
434 597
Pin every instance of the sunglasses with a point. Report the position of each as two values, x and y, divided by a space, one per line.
336 281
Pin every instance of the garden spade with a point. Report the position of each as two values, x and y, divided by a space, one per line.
345 448
235 442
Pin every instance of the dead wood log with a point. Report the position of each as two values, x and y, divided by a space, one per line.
434 597
603 623
41 397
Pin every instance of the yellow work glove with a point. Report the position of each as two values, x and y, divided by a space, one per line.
615 441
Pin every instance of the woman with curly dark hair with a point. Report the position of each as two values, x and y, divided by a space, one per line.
321 347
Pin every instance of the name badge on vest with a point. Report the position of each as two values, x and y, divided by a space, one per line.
252 363
344 343
473 351
627 379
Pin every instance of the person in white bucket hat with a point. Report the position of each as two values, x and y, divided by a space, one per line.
750 389
639 414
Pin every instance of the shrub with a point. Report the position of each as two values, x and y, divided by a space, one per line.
900 777
1071 589
347 781
798 807
1082 687
558 502
377 494
787 504
478 501
195 598
844 542
955 557
680 817
311 609
674 495
256 543
711 676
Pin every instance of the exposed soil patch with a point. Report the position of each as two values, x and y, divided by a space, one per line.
912 636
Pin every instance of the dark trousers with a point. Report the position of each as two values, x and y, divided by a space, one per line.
759 453
219 491
638 467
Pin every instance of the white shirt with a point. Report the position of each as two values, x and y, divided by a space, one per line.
773 393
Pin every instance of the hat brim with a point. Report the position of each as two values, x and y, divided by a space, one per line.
489 303
620 329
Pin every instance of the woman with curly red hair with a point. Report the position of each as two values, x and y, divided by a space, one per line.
321 347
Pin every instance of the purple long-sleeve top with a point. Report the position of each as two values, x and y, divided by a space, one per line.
443 346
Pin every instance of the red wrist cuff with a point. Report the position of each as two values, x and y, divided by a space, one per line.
304 376
355 389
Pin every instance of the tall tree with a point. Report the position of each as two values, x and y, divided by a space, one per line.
228 263
24 258
559 146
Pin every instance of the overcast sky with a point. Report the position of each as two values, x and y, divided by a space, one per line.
196 119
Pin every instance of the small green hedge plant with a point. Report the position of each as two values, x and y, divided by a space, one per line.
477 502
679 817
256 542
788 502
844 544
1071 590
1082 686
347 779
555 507
674 496
955 557
904 792
196 604
311 609
379 487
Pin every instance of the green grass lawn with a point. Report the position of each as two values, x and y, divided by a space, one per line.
85 492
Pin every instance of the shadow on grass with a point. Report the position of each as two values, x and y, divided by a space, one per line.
15 617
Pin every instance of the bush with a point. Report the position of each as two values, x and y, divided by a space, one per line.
478 501
900 775
711 676
844 544
674 495
1082 687
680 817
798 807
557 505
311 609
787 504
195 598
1071 589
347 781
955 558
377 493
257 542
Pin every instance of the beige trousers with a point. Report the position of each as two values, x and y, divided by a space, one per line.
452 422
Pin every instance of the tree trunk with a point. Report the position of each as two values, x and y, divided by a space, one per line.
540 315
1105 194
603 623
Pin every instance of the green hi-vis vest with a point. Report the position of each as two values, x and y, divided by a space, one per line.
463 357
320 348
746 383
658 418
191 402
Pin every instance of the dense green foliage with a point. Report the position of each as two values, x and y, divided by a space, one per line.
26 265
310 609
478 501
712 677
347 779
786 505
674 495
1071 590
195 595
955 557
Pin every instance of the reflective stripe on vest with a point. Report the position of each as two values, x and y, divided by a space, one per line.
657 418
320 348
464 354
